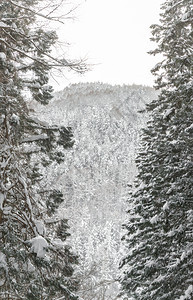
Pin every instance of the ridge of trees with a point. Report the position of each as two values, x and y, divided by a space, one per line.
95 174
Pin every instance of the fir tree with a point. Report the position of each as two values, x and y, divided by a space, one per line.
158 264
95 174
35 262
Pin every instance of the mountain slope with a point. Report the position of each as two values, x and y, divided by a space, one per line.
106 124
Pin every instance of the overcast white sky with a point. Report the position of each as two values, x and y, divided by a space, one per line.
114 36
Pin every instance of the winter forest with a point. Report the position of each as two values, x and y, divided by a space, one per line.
96 180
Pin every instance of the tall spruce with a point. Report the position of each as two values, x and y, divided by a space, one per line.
159 235
35 262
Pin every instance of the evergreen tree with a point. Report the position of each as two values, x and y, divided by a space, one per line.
95 174
158 263
35 262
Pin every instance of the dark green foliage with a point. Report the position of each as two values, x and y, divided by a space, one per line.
35 263
159 230
62 230
54 199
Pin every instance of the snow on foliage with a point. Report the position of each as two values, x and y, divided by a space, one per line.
3 263
95 174
188 293
3 266
39 246
37 137
3 25
2 56
1 200
154 219
164 232
40 227
166 206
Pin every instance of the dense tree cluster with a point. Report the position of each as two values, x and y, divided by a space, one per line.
158 264
35 262
95 174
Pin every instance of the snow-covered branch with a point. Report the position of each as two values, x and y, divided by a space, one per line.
36 12
34 138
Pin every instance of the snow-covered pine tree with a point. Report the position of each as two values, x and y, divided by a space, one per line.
159 236
95 174
35 262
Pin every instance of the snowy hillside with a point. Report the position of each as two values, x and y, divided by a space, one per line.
95 177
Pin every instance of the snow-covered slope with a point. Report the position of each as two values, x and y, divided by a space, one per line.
95 175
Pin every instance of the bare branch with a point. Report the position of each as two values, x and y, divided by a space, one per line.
36 13
54 9
58 63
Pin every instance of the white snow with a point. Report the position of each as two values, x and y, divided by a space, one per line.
23 182
188 293
174 142
171 233
2 282
165 206
15 118
30 267
185 17
34 138
58 243
3 265
2 118
159 278
189 128
2 56
96 171
35 85
2 24
154 219
29 148
39 246
37 121
7 210
1 200
40 227
167 113
185 254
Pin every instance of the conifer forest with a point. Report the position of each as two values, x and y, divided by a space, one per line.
96 180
